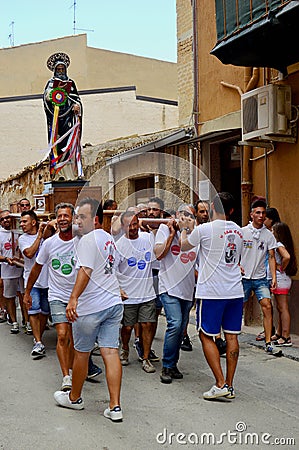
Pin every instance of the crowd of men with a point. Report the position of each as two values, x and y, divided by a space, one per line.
99 287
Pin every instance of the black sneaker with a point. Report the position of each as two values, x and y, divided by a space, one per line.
153 357
186 345
221 345
165 376
139 349
93 370
175 373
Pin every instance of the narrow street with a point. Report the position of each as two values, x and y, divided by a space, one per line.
266 405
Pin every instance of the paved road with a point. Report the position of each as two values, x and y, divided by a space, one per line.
266 403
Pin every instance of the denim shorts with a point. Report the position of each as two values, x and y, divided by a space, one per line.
102 326
40 302
259 287
58 308
212 315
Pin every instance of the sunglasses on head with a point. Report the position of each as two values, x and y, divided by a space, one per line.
187 214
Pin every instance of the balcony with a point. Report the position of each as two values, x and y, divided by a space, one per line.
257 33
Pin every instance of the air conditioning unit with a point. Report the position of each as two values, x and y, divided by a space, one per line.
266 111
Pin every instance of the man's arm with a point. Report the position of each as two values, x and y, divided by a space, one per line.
162 249
82 280
186 225
30 252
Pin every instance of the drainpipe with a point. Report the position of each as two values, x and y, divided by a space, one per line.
191 174
111 182
195 68
251 79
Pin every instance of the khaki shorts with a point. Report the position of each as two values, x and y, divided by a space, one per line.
140 312
13 285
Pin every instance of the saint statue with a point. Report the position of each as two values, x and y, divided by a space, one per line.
63 109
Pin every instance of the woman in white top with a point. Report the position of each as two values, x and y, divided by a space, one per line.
286 266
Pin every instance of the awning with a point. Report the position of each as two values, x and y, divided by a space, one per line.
269 42
177 137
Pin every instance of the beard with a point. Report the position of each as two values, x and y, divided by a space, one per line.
61 76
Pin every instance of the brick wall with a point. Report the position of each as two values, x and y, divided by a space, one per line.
185 61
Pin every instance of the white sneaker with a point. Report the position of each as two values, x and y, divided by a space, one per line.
216 392
28 329
147 366
15 328
124 357
115 414
66 383
63 399
38 351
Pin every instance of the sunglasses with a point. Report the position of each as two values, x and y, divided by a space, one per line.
24 204
187 214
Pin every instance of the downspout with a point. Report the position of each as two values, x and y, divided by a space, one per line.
195 68
195 106
251 79
111 182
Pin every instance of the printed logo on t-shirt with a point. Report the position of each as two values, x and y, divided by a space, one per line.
141 264
7 246
247 244
175 249
66 269
261 245
231 249
64 263
56 264
186 257
110 246
132 261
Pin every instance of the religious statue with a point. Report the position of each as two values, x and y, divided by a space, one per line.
63 109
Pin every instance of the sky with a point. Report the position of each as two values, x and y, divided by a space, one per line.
140 27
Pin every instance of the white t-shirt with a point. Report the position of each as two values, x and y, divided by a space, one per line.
254 252
220 245
25 241
134 270
59 255
96 250
177 271
6 242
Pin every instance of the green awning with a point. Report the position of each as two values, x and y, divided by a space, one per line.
265 35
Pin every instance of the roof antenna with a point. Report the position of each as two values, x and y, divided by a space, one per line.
11 36
75 29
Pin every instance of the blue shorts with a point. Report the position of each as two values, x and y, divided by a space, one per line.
212 315
40 302
259 287
58 309
102 326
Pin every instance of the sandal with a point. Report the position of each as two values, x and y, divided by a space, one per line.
275 337
260 336
283 342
